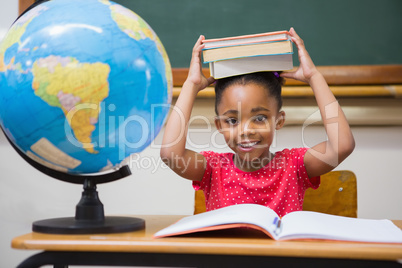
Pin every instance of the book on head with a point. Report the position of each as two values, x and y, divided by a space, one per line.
241 51
299 225
246 39
244 54
226 68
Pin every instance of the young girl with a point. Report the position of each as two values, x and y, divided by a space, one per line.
248 109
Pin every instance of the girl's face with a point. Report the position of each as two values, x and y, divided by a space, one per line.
248 117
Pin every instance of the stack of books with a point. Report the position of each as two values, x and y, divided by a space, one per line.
237 55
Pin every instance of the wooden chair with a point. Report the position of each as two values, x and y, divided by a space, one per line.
337 195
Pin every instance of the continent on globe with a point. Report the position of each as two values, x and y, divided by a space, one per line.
14 36
66 83
47 150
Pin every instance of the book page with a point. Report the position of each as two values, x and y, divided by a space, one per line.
241 214
313 225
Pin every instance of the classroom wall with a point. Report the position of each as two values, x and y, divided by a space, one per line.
27 195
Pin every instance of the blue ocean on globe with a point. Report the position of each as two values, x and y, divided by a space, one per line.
83 85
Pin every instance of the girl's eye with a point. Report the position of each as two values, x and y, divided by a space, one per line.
260 118
231 121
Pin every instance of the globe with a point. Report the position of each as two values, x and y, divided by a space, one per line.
83 85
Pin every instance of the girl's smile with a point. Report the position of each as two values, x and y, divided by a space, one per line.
247 145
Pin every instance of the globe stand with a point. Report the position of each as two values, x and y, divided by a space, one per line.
89 215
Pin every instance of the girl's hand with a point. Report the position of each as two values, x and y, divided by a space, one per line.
307 68
195 75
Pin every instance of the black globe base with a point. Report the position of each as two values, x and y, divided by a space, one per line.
89 217
73 226
89 214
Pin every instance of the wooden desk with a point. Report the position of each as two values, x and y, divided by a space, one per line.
231 248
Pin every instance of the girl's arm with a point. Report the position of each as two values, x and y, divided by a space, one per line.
186 163
325 156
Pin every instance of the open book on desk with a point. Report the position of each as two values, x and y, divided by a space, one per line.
295 225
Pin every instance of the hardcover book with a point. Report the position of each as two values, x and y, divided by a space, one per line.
260 49
246 39
226 68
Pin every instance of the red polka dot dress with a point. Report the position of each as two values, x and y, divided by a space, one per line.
279 185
